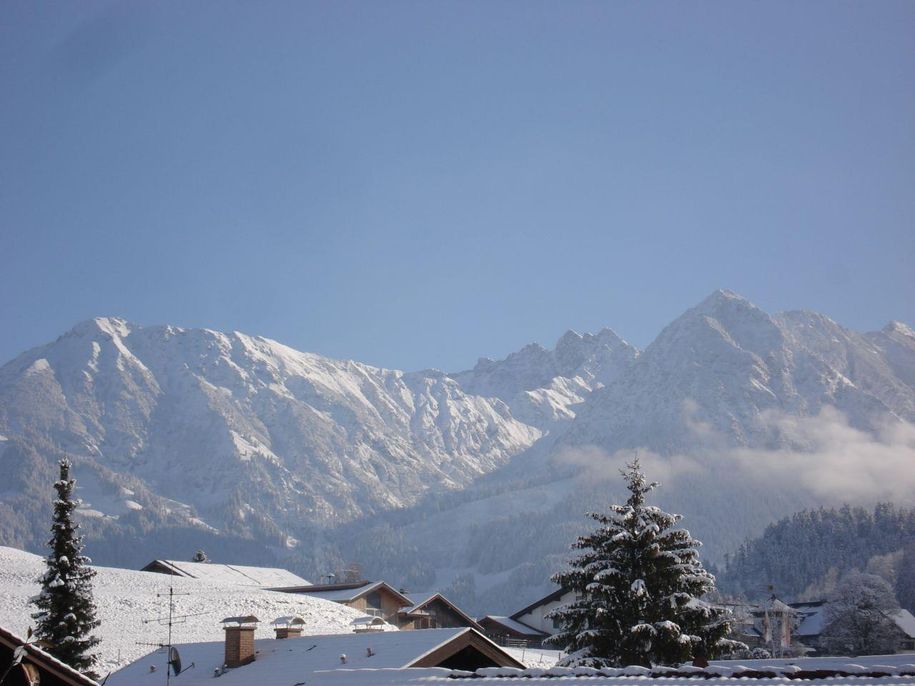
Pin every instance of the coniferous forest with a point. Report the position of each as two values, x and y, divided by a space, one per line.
805 555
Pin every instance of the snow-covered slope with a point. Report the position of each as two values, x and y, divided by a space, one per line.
724 368
239 426
131 603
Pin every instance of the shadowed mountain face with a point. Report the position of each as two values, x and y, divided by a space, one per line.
229 434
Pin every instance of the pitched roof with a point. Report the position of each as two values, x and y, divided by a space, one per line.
515 625
813 622
282 662
421 600
905 621
552 597
774 604
347 593
44 661
240 575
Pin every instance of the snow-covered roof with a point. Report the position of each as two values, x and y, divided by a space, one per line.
128 599
906 622
892 668
368 621
775 605
347 594
242 575
899 661
515 625
281 662
813 622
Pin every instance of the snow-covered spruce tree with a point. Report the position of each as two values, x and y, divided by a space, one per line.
639 585
66 611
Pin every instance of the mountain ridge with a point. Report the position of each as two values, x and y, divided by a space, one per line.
209 434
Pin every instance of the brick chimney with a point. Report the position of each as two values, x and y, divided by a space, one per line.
239 640
288 627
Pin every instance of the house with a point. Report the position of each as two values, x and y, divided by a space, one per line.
813 619
530 625
433 611
535 614
374 598
792 629
240 575
403 610
240 661
25 664
775 622
905 638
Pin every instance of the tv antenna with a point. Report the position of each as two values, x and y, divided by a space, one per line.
173 659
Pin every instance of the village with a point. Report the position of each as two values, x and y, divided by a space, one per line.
393 636
395 631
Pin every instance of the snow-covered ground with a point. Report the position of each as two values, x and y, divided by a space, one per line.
130 605
535 657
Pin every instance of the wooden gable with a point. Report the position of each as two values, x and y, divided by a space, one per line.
35 662
469 651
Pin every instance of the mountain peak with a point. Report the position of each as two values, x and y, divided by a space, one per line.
898 327
111 326
723 296
570 336
607 334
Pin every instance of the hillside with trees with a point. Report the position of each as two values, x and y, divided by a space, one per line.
804 556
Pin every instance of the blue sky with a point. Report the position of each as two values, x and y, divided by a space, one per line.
417 184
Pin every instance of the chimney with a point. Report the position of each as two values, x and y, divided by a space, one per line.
288 627
239 640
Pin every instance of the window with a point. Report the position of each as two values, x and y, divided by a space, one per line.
373 600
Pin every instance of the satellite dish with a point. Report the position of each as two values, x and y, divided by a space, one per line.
174 660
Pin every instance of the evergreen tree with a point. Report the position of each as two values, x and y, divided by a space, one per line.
66 611
639 585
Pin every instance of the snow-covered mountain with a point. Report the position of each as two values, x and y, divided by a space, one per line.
542 386
180 434
725 367
234 425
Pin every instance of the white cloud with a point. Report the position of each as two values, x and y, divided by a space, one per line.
836 463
